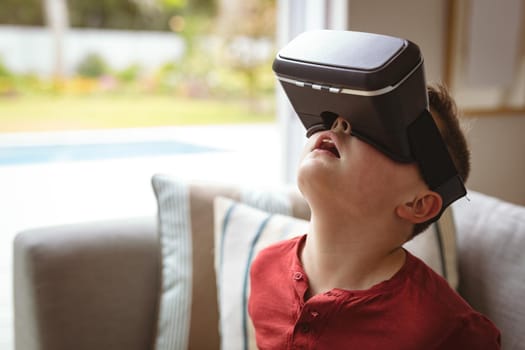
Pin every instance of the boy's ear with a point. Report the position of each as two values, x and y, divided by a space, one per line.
423 207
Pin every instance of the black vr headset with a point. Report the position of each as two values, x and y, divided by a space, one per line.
377 83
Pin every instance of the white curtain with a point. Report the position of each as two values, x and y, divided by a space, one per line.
295 17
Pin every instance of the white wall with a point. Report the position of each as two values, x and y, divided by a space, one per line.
30 49
497 142
498 156
295 17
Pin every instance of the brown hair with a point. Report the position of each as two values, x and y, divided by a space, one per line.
445 114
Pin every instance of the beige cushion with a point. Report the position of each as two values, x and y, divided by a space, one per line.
438 249
241 232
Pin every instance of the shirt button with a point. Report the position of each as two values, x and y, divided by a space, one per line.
297 276
314 314
304 328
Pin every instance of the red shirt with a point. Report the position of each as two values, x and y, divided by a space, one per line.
415 309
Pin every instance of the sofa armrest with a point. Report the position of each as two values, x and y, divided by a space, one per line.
87 286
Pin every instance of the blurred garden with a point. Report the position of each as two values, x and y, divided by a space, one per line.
222 75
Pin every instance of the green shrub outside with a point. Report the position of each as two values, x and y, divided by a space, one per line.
92 66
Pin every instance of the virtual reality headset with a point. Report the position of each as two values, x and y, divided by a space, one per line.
377 83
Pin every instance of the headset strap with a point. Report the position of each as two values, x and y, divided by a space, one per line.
436 165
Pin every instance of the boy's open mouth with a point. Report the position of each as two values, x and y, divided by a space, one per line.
327 144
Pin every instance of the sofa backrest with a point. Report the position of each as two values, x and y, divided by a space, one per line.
491 253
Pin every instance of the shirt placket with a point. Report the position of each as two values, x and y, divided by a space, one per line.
312 315
306 328
301 331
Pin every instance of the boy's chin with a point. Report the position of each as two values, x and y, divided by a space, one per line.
314 171
312 177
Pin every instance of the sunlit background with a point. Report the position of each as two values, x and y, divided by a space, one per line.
96 96
69 65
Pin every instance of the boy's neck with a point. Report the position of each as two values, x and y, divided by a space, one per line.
350 254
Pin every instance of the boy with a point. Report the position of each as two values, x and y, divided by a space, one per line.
349 284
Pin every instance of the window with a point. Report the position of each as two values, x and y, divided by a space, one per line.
119 90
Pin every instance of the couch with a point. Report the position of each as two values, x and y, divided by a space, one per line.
96 285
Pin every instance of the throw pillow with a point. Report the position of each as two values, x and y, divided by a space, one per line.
188 315
174 226
242 231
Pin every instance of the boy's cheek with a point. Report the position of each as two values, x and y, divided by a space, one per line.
309 145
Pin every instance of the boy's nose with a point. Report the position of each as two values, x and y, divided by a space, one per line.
341 125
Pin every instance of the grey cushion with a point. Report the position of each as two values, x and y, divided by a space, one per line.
491 243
